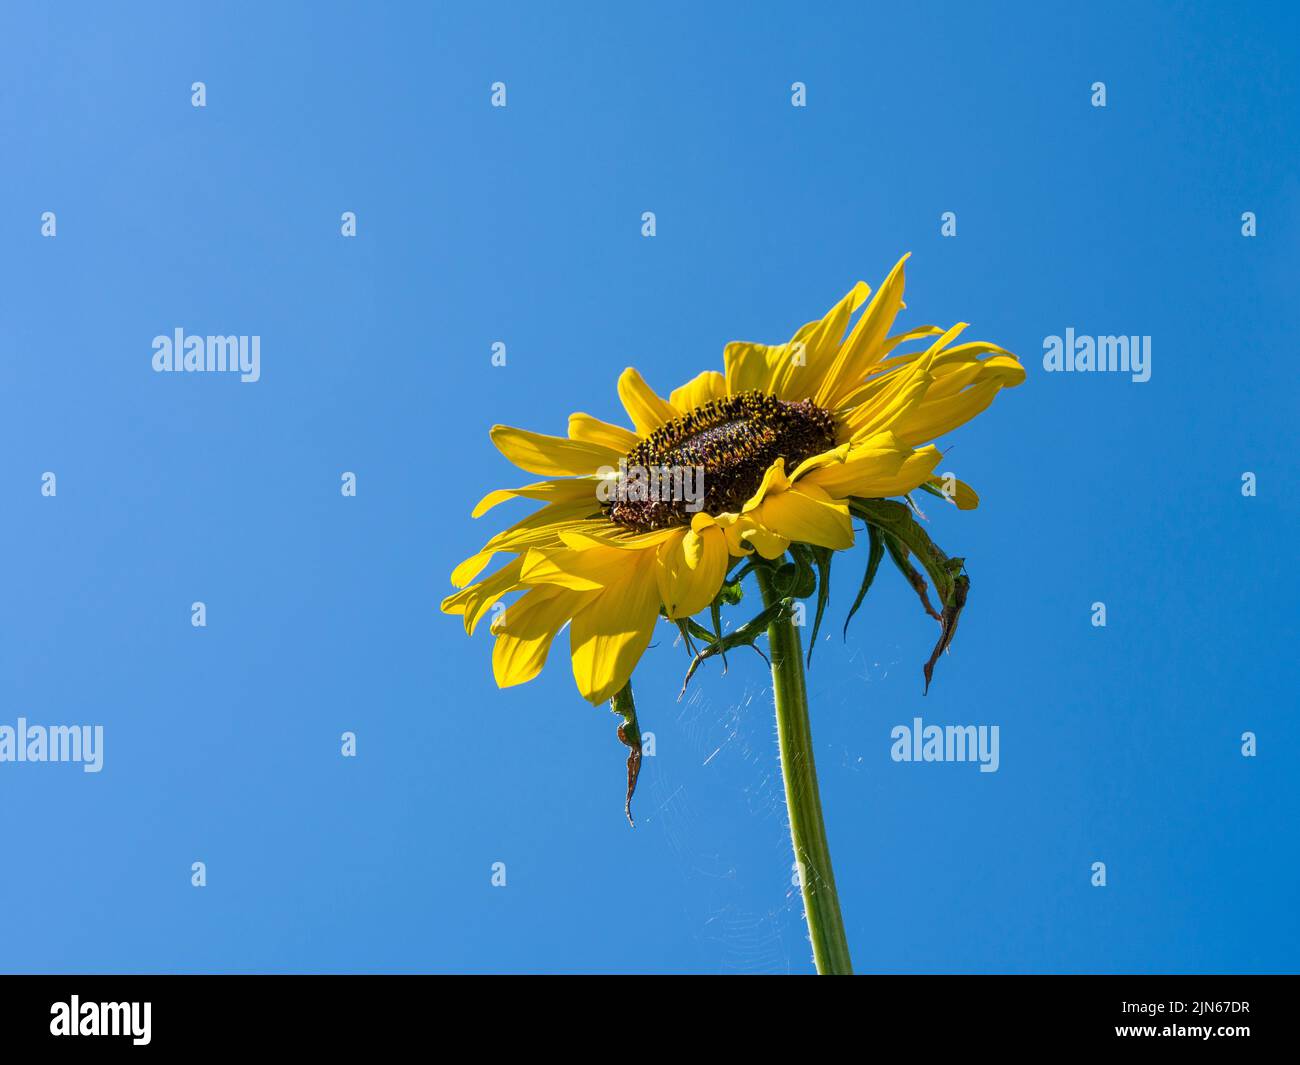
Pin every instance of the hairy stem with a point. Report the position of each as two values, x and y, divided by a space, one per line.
802 797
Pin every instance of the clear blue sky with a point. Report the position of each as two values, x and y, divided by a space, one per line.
1118 744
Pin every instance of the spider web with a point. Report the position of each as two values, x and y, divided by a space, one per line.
739 733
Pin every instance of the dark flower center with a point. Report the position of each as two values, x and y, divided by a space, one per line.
714 458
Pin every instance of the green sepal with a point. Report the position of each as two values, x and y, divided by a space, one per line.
796 579
732 591
903 536
822 557
875 552
743 636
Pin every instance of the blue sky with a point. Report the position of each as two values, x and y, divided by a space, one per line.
523 225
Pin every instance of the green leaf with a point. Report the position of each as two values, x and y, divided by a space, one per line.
875 552
822 557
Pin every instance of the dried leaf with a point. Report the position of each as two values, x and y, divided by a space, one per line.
898 553
951 613
630 734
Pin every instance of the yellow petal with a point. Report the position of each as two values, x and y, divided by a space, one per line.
963 352
563 491
545 530
475 601
931 420
899 394
747 367
698 391
774 480
864 346
538 529
877 467
612 536
608 636
644 406
471 568
917 332
951 378
879 370
893 400
690 567
767 543
866 483
939 363
587 569
805 360
552 456
524 632
959 493
955 373
745 535
807 514
594 431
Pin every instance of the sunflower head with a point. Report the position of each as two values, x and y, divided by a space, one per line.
767 464
727 445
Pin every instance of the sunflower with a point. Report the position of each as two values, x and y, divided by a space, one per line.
786 440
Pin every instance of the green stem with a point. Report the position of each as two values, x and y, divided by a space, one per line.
807 829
